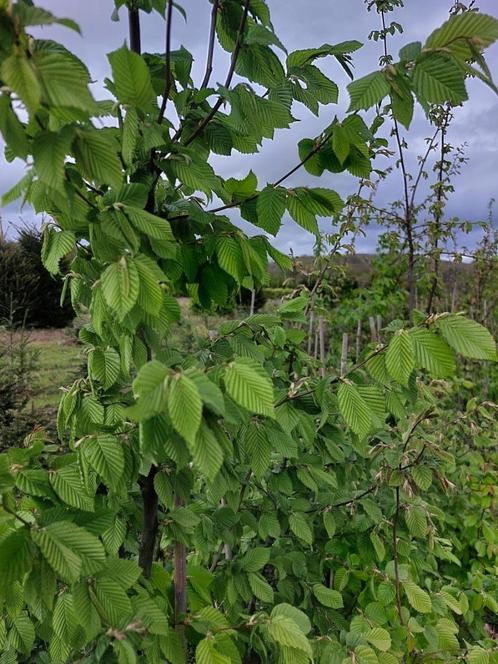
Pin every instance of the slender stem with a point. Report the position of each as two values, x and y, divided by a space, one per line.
180 567
408 210
134 29
212 34
167 61
233 63
421 168
438 209
395 556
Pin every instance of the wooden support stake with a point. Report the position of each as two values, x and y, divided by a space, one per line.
344 353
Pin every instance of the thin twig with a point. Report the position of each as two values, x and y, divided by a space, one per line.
395 557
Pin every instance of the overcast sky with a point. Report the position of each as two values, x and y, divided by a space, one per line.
300 24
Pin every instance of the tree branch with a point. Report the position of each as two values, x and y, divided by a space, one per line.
212 34
235 55
134 30
167 59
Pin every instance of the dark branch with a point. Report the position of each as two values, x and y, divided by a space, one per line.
167 60
212 34
134 28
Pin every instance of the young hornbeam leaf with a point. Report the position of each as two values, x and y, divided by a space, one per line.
56 245
185 408
400 357
419 599
250 386
120 286
354 409
467 337
367 91
270 207
131 79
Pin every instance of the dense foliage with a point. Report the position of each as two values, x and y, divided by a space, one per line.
234 504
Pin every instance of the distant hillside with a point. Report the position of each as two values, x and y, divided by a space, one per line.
359 268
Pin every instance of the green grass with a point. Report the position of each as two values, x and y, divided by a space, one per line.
58 365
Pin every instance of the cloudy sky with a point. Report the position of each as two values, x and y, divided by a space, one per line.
300 25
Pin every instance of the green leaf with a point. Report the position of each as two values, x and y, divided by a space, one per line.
260 587
467 337
378 545
417 597
105 454
132 81
250 386
81 542
367 91
379 638
206 653
432 353
459 32
64 620
416 520
354 409
299 617
49 153
230 257
207 452
149 224
18 73
64 78
63 560
255 559
270 207
31 15
150 389
185 407
104 366
67 484
114 601
22 635
120 286
13 130
328 596
400 357
258 448
437 79
298 205
299 525
96 156
286 632
56 245
477 655
365 655
15 556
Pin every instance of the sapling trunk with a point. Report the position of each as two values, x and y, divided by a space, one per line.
150 522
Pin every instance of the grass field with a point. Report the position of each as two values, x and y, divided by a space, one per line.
59 358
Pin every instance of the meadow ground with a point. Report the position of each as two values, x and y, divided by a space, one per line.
59 359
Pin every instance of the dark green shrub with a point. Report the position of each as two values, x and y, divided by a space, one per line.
29 295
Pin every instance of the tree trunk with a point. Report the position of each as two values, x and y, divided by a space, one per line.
150 525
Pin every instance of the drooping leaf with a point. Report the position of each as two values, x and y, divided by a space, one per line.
250 386
467 337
